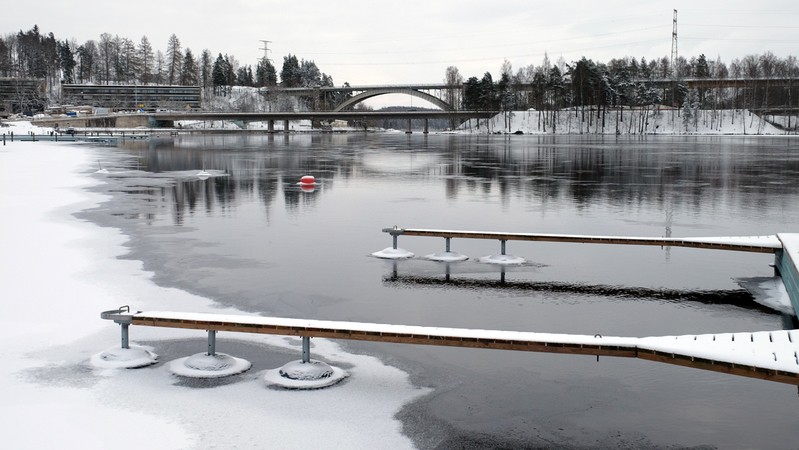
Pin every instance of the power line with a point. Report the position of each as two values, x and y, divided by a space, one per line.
767 27
488 47
492 58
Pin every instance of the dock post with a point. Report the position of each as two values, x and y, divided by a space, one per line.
125 335
409 130
502 246
447 245
270 126
394 241
306 349
285 126
211 342
426 126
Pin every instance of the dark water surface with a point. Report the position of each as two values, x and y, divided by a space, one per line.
255 240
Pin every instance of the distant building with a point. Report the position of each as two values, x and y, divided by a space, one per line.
21 95
132 97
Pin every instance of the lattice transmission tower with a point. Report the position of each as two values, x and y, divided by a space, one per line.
266 50
674 46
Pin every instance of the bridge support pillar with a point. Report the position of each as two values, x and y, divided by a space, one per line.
270 126
285 126
426 128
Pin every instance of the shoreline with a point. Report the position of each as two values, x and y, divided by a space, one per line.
55 327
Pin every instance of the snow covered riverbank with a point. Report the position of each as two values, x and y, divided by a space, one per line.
60 272
633 121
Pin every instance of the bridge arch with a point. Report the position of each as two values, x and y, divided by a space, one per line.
382 91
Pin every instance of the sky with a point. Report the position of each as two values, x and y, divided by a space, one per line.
373 42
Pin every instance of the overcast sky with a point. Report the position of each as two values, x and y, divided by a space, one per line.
410 41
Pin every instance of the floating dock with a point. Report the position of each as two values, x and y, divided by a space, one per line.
768 355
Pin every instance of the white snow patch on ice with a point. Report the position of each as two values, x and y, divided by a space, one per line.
59 273
124 358
447 257
503 260
393 253
203 365
300 375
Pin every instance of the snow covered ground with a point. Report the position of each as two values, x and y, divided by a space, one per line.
59 273
628 121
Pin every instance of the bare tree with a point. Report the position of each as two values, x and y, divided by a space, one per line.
453 80
107 53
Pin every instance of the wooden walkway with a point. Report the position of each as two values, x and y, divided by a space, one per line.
764 355
757 244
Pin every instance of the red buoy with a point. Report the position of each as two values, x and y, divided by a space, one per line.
307 179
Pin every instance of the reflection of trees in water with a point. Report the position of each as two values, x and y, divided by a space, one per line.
680 172
696 172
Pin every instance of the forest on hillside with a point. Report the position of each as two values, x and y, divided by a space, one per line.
621 82
119 60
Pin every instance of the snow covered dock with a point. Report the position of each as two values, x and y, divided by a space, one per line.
757 244
768 355
785 247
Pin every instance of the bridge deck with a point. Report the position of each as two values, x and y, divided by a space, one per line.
764 355
757 244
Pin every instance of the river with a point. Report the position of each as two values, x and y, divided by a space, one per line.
256 240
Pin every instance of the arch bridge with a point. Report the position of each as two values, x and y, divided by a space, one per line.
328 98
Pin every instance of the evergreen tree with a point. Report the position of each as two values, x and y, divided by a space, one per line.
67 62
244 76
206 68
701 69
188 74
230 71
219 76
488 93
290 72
127 61
310 75
265 73
146 60
5 59
471 94
174 58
